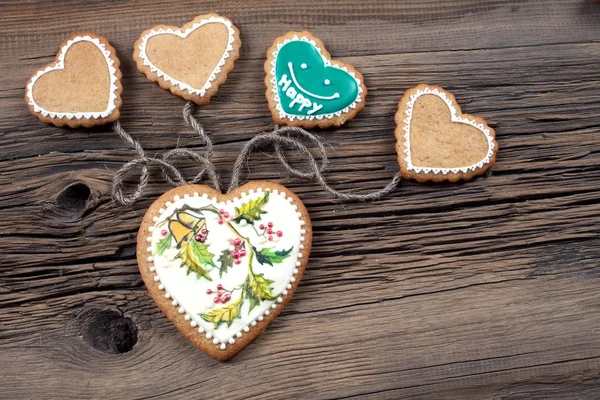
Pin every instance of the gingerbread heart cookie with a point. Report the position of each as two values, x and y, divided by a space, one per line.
222 267
82 87
191 61
436 142
305 87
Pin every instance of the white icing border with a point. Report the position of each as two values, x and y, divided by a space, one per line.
60 65
181 310
454 118
327 62
178 32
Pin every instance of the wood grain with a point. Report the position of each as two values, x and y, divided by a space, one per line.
480 290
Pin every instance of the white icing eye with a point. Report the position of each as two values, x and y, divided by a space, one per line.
303 66
326 82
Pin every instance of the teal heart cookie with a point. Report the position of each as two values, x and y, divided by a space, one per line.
306 85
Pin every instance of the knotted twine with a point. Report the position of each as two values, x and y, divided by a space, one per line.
290 137
169 171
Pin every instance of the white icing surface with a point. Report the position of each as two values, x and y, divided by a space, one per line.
60 65
183 34
327 62
189 293
454 118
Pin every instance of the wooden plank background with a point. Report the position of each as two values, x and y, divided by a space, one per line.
480 290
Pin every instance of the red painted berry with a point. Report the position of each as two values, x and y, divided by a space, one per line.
220 293
237 241
235 255
164 232
208 291
220 222
269 231
270 237
270 224
227 297
279 233
198 238
242 253
221 211
261 226
219 287
202 239
204 231
226 214
217 299
238 261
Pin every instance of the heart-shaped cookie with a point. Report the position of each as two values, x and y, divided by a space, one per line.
306 88
82 87
191 61
436 142
222 267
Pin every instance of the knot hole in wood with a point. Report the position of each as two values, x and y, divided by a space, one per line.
74 197
107 330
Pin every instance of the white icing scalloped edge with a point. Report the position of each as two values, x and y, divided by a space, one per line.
181 310
291 117
178 32
454 118
60 65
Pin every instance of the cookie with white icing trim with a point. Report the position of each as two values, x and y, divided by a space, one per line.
436 142
222 267
191 61
306 88
82 87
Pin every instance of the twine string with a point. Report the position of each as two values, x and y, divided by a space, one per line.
314 139
292 138
281 138
171 174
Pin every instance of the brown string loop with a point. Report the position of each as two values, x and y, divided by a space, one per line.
168 170
292 137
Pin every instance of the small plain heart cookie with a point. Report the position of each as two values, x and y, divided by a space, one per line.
82 87
306 88
222 267
436 142
191 61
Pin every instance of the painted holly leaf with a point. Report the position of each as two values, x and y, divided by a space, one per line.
252 297
224 315
267 256
260 286
164 244
197 258
251 210
226 261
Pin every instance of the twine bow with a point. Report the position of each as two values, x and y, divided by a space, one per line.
289 137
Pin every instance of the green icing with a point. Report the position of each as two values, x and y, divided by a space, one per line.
311 88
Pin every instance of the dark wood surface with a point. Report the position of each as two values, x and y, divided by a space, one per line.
480 290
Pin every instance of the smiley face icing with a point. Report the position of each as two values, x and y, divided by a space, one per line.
306 88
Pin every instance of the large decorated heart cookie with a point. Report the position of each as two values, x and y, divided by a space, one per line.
436 142
306 88
82 87
191 61
222 267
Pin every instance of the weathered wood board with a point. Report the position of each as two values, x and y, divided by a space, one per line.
480 290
